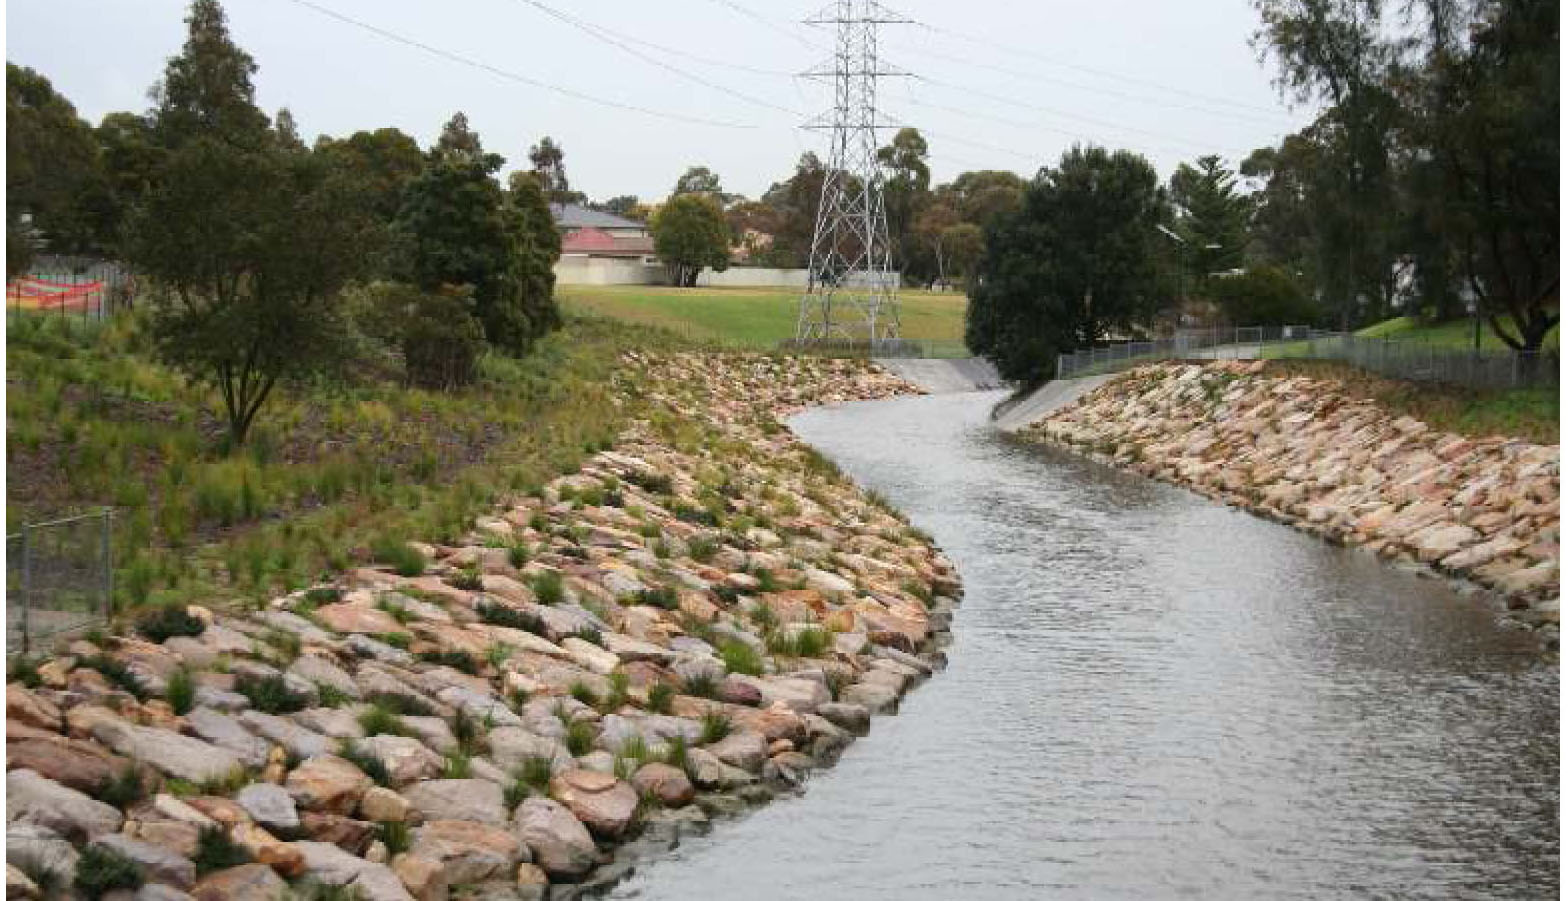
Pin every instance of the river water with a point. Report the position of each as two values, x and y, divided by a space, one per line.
1154 696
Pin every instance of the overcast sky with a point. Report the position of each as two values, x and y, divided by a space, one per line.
1005 84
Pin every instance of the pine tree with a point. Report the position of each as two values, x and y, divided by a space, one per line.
206 91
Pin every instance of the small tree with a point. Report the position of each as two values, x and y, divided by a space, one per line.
247 250
689 235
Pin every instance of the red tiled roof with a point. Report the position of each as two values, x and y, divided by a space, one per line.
595 240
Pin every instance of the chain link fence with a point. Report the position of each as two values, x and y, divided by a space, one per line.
59 578
1411 360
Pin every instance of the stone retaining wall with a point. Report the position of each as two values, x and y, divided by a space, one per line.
1300 451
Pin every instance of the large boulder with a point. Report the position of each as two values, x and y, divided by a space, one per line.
250 882
296 739
605 804
383 805
664 782
313 668
745 749
75 764
332 865
358 619
226 732
560 843
265 848
24 706
34 800
270 805
157 864
327 783
40 848
174 754
510 746
406 759
478 800
468 851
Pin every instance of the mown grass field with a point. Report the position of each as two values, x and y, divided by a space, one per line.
752 318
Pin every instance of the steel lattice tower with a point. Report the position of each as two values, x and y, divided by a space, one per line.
853 290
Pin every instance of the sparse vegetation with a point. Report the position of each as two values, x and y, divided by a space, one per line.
579 737
101 870
270 694
660 696
715 726
740 657
181 691
162 623
215 850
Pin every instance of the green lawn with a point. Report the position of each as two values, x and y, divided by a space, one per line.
1458 334
755 318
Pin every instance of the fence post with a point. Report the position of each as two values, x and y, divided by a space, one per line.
108 562
27 586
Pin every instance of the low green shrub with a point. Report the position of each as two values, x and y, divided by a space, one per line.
398 554
740 657
458 660
715 726
580 737
401 704
270 694
660 697
162 623
101 870
215 850
548 587
181 691
368 763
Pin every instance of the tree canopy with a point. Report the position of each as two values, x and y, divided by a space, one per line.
690 235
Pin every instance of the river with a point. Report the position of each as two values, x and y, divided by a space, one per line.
1154 696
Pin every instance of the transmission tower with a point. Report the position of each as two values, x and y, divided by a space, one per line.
853 290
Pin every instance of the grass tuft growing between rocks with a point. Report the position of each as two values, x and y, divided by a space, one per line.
397 837
181 691
715 726
661 697
580 737
379 720
215 850
740 657
101 870
124 788
270 694
162 623
368 763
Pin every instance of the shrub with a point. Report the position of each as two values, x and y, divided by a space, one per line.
651 482
663 596
162 623
270 694
501 615
101 870
122 789
548 587
401 704
368 763
660 696
535 772
378 720
517 555
396 836
181 692
458 660
216 851
456 765
24 669
441 338
812 642
715 726
331 696
581 692
740 657
467 578
399 555
579 737
700 685
466 730
702 549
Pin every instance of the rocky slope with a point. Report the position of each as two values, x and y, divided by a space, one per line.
690 624
1300 451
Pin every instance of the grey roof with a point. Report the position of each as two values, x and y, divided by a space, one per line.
571 215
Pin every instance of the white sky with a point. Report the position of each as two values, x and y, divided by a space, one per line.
1173 80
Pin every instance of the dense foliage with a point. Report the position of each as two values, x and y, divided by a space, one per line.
690 235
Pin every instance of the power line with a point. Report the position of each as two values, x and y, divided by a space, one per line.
460 59
1273 118
768 23
1102 73
604 34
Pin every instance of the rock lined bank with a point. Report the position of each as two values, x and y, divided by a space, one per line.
690 624
1300 451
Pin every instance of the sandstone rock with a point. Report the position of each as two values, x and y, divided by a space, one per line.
327 783
227 733
875 698
33 800
383 805
269 805
334 866
250 882
172 808
40 848
744 749
561 845
176 755
602 802
1530 579
173 836
512 746
432 731
353 618
479 800
590 656
406 759
265 848
468 852
853 717
424 878
314 668
23 706
298 740
17 885
353 836
75 764
157 864
664 782
740 690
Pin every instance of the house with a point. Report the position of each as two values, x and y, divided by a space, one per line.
590 233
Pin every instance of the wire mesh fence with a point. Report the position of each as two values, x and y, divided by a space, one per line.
71 287
59 579
1412 360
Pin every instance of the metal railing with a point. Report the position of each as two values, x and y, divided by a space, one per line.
1412 360
67 287
862 347
59 578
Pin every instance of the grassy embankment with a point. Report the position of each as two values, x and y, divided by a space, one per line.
334 474
755 318
1525 412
